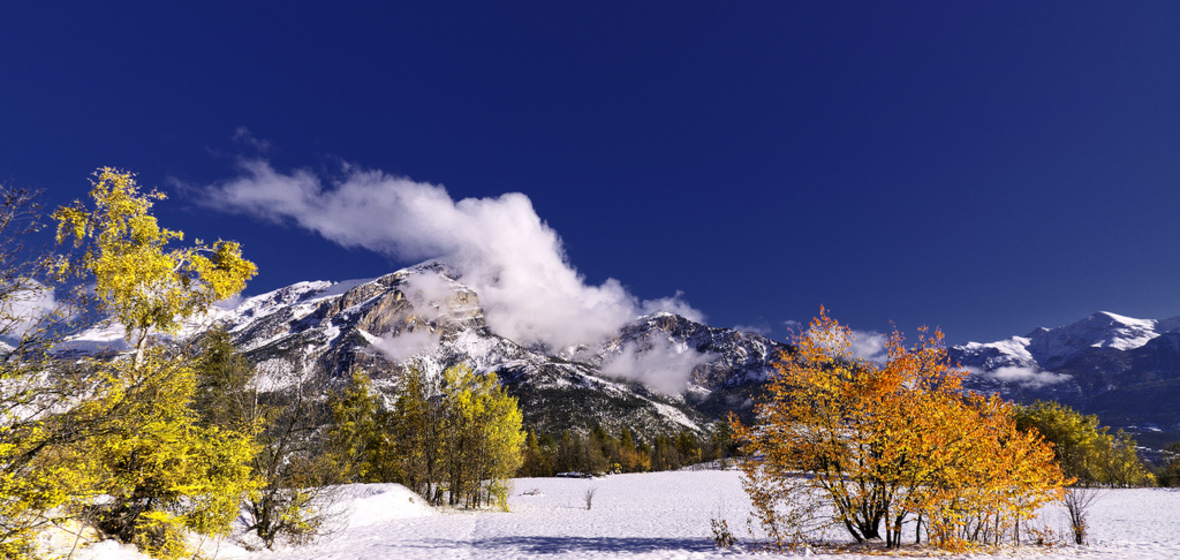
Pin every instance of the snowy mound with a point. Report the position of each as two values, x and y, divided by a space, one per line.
362 505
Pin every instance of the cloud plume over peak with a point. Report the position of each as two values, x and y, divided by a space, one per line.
661 364
500 246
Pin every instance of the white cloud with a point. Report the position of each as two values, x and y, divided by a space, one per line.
231 302
659 364
869 345
672 304
243 136
512 259
760 330
408 345
427 291
1027 377
26 308
864 345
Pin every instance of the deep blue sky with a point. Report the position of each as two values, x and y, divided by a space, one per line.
988 167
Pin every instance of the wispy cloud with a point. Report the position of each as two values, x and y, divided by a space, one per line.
243 137
26 308
502 249
869 345
407 345
755 329
864 345
1025 377
659 363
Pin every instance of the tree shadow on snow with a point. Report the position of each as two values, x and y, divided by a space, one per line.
560 545
563 545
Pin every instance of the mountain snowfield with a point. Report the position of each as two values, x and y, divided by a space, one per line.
1049 348
659 373
646 516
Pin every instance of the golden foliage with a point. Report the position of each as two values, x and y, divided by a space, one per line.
886 443
141 281
161 471
124 431
485 440
457 439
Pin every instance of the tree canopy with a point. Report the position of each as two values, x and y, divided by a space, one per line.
454 438
1084 450
121 445
138 278
886 444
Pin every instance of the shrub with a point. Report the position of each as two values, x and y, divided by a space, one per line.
588 497
886 442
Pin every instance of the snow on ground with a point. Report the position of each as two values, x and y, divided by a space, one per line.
647 517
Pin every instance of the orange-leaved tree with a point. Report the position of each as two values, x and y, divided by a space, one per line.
887 444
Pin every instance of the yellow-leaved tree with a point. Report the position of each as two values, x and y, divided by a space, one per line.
485 442
1085 451
887 444
31 492
160 470
454 438
145 284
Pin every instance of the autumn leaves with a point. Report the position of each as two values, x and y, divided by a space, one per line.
884 445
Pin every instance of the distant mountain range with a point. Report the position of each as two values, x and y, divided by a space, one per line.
660 373
1124 370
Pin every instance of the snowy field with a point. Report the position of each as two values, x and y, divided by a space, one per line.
642 517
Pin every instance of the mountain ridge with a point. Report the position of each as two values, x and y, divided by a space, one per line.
660 373
1123 369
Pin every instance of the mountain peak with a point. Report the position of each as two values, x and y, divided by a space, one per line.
1115 318
1124 369
1046 349
1100 330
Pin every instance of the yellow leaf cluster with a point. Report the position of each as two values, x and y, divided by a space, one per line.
123 430
145 284
161 471
455 440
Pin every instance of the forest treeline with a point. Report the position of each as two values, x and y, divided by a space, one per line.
600 452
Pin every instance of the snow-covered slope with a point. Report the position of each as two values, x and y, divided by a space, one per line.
1125 370
1048 348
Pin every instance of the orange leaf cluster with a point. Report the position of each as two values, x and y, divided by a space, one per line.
899 442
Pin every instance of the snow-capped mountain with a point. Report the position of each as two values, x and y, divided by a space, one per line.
661 373
1125 370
